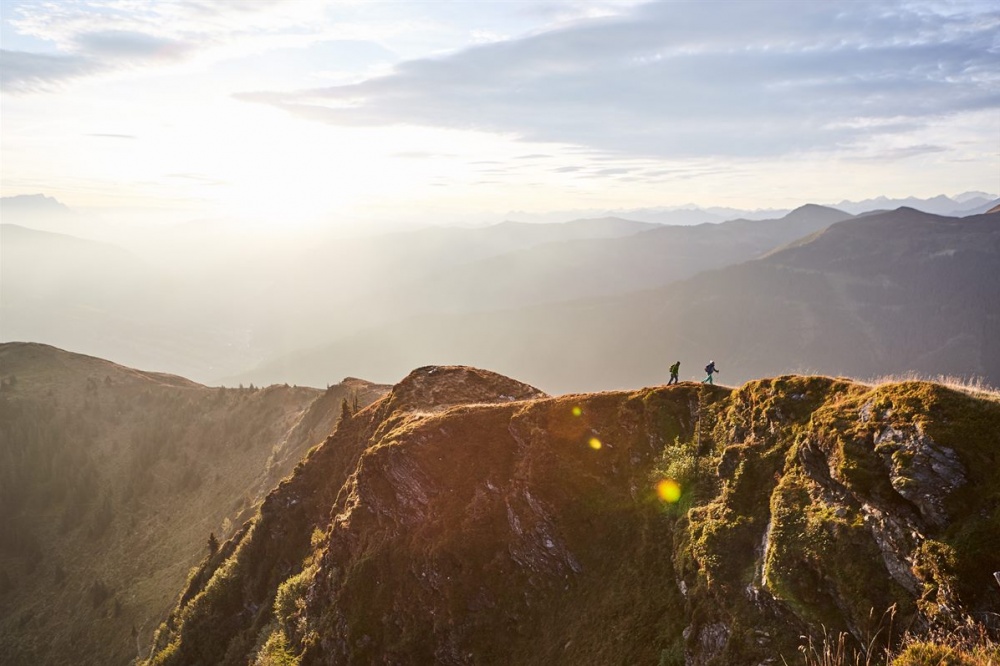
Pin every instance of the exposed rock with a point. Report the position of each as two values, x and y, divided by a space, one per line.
920 470
707 643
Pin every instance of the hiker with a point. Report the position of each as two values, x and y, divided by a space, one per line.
674 369
709 370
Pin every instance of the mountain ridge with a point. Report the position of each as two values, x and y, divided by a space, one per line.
112 479
689 524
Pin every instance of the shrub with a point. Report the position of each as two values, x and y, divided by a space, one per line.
930 654
276 652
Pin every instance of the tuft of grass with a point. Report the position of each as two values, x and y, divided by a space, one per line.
973 385
971 645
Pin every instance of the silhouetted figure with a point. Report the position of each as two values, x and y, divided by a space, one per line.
710 369
674 369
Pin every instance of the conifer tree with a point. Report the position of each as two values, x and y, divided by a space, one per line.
213 543
345 411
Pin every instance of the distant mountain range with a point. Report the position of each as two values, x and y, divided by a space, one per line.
574 268
967 203
962 205
211 315
207 307
881 294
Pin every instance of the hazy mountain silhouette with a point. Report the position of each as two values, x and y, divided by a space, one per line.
990 206
32 204
468 518
205 310
82 294
551 272
210 311
967 203
571 269
112 479
887 293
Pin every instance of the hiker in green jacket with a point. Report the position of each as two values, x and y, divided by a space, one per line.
674 369
710 369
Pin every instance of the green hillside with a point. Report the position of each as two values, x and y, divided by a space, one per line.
112 480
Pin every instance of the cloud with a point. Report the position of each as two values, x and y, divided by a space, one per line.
197 178
125 45
103 135
22 72
419 155
100 36
682 79
900 153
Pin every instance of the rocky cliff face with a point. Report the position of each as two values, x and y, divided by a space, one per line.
467 518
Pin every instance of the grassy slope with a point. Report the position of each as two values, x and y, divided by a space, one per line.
112 481
500 533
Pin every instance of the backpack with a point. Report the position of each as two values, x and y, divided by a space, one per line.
710 368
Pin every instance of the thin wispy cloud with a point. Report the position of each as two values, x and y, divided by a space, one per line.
104 135
96 37
682 79
902 153
22 72
198 178
124 45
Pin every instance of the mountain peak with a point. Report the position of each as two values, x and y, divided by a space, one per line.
440 386
33 203
811 211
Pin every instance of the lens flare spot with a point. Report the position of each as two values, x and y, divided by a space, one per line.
595 443
577 411
668 490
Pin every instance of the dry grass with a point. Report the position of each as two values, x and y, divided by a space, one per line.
973 385
969 645
843 650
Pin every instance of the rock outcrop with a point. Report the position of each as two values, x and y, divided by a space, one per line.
469 519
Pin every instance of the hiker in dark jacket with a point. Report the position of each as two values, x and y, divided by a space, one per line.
710 369
674 369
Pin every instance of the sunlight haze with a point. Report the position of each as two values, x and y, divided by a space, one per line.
499 332
330 114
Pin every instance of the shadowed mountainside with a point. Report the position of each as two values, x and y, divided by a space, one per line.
466 518
890 293
112 479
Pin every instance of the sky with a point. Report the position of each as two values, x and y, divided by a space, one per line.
317 113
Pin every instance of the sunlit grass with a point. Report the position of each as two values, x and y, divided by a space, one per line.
973 385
